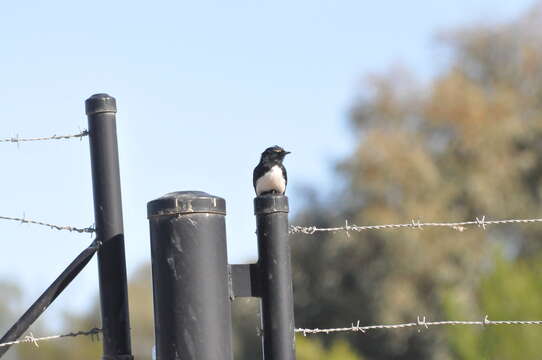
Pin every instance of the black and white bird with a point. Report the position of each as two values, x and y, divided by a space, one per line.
270 175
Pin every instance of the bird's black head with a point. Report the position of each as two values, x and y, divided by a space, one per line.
274 154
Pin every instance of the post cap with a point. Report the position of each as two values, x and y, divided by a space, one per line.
186 202
267 204
100 103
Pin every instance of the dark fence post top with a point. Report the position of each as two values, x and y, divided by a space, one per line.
186 202
269 204
100 103
191 287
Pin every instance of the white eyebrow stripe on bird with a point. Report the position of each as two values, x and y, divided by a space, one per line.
271 180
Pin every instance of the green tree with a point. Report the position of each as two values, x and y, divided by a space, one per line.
312 349
511 291
465 145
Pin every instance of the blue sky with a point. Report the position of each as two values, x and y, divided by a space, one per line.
202 88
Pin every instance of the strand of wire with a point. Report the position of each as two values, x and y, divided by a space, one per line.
17 139
23 220
459 226
93 333
420 323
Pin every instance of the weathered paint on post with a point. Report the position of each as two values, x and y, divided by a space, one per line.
191 289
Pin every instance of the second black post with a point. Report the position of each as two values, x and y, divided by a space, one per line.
276 277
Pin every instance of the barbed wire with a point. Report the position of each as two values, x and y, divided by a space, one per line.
93 333
23 220
420 323
18 140
459 226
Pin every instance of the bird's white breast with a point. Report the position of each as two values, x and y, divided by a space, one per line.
271 180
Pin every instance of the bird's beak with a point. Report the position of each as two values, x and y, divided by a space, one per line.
287 152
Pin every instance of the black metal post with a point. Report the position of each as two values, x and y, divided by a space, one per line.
192 311
104 156
275 276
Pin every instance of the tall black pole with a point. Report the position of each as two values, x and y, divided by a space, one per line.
192 313
275 276
104 156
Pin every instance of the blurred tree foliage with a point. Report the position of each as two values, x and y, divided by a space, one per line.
512 290
87 348
312 349
10 296
467 144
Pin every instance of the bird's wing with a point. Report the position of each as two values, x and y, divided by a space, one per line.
256 175
285 174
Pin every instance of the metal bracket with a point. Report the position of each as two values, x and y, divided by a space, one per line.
244 280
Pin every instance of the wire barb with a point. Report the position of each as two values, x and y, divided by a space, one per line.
346 229
23 220
482 223
93 333
420 323
18 140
